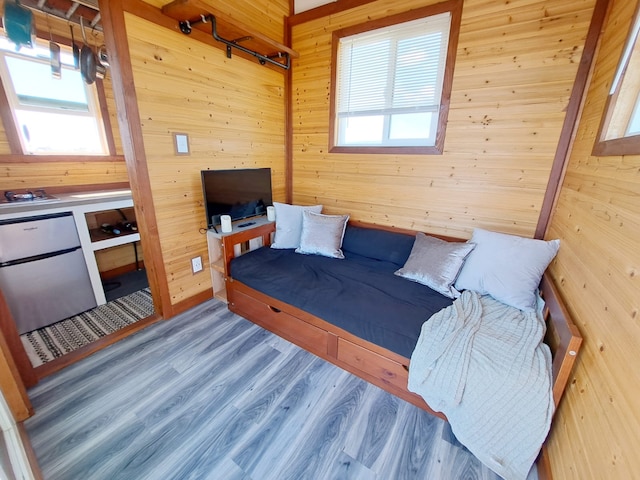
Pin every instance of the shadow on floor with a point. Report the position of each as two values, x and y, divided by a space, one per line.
125 284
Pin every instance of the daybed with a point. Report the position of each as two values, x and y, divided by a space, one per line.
354 312
468 314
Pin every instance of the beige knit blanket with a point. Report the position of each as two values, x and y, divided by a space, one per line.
485 366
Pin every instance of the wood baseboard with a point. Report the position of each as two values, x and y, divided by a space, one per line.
115 272
190 302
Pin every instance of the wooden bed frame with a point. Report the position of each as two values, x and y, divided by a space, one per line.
371 362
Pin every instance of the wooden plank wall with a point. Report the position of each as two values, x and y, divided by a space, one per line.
515 67
233 111
598 221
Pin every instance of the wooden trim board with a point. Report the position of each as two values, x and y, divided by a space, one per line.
113 17
572 118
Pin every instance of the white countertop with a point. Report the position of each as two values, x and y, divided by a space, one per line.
64 201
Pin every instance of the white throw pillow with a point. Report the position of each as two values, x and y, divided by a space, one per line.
322 234
507 267
435 263
289 224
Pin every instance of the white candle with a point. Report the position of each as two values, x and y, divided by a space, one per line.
271 213
225 223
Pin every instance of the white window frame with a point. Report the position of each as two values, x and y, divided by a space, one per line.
392 36
93 103
444 18
616 135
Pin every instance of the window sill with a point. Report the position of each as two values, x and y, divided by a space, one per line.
617 146
434 150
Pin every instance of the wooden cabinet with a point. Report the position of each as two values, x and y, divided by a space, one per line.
246 235
119 218
216 264
117 251
286 325
89 217
389 372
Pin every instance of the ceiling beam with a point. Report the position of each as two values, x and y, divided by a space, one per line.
69 10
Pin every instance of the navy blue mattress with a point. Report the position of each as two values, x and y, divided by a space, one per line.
358 294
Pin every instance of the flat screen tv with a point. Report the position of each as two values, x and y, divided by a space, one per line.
239 193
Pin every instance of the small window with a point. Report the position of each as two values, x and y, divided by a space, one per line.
620 127
390 90
54 115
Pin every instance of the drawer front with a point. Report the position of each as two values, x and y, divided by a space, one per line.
388 371
287 326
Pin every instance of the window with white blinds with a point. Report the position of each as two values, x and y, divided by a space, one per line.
389 84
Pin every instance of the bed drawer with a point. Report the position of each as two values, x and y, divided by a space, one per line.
287 326
388 371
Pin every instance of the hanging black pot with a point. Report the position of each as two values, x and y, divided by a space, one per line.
87 59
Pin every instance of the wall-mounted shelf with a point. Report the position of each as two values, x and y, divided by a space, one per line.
235 35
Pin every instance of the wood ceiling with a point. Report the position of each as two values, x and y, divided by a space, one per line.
69 10
72 10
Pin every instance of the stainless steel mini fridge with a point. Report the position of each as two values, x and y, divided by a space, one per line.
43 274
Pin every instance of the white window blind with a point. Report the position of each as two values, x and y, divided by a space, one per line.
390 83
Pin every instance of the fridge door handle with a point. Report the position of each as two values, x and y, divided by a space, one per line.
42 256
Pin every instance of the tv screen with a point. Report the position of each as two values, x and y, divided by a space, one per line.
239 193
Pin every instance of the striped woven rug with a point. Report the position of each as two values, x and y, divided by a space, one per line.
53 341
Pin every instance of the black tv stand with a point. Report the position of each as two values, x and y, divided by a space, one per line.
247 224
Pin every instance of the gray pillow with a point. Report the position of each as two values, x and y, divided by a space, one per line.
322 234
289 224
435 263
507 267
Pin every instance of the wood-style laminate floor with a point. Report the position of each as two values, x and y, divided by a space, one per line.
209 395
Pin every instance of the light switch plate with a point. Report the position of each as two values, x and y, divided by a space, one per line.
181 143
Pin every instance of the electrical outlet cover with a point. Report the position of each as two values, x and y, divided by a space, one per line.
196 264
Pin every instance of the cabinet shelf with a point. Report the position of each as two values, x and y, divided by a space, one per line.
218 265
221 295
231 32
101 240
